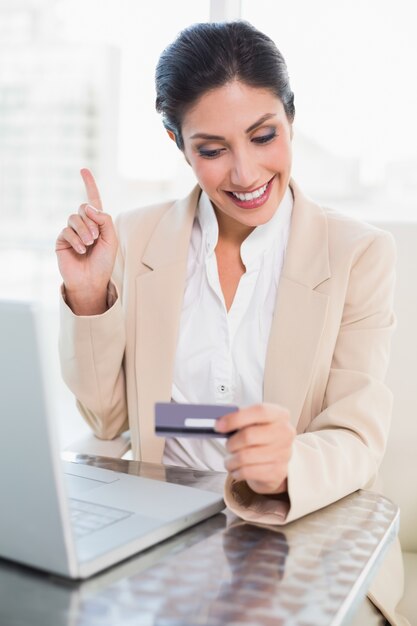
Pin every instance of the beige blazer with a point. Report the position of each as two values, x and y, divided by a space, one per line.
326 361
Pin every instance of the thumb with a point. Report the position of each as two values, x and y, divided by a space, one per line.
103 221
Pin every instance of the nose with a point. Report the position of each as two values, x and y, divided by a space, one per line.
244 171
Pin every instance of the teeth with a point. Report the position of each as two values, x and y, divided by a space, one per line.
245 197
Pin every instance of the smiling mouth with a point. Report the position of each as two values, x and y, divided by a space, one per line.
252 195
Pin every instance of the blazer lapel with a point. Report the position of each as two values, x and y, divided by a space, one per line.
298 322
300 311
159 296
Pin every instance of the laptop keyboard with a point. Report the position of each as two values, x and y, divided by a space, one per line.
87 517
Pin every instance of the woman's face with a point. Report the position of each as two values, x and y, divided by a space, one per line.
237 139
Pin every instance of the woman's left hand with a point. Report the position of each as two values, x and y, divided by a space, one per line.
261 448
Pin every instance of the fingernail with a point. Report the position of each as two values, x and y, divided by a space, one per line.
218 425
81 249
94 232
93 208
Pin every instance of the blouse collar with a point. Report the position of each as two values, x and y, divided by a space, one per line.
260 240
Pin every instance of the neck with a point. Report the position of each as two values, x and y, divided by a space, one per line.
230 230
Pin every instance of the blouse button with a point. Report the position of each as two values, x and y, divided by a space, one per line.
222 388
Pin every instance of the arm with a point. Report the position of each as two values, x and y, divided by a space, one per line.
91 350
92 331
344 444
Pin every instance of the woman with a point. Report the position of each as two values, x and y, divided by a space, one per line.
245 292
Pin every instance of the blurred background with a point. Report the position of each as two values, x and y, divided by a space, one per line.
77 90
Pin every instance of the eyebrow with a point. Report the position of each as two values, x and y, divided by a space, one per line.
252 127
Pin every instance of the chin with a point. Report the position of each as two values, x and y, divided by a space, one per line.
260 215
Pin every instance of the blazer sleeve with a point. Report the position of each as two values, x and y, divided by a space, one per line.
91 350
342 447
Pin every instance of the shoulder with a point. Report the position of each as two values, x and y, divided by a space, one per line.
137 226
141 221
353 237
345 237
354 231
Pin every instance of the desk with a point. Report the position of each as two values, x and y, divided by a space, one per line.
222 572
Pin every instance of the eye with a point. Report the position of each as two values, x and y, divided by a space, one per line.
210 154
265 138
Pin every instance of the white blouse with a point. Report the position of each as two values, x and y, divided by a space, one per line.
220 356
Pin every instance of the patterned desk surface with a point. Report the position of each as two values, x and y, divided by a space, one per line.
222 572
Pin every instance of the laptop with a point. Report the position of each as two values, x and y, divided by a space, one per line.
65 518
29 598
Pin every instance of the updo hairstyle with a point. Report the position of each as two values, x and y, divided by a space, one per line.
209 55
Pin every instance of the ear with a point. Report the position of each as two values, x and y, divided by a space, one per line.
171 135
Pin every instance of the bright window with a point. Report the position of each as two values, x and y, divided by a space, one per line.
76 90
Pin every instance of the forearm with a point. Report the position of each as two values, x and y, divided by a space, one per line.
91 352
324 467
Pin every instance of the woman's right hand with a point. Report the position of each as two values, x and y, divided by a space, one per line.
86 250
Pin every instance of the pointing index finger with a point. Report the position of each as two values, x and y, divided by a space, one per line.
91 188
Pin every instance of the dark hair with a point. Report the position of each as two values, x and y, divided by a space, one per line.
209 55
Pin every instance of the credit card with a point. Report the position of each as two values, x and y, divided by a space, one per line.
174 419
